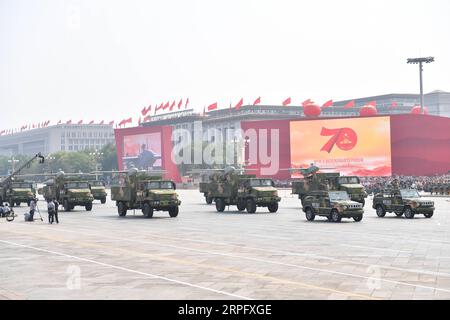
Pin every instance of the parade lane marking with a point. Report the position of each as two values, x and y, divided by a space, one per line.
154 276
192 263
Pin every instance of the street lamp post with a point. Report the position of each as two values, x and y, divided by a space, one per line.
49 161
96 155
420 62
13 162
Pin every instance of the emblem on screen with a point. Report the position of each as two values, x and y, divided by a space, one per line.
344 138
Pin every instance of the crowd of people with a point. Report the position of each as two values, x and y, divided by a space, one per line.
376 184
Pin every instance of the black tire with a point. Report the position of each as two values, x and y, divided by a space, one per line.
11 216
122 209
335 216
428 215
251 206
309 214
220 205
380 211
103 200
409 214
88 206
273 207
147 210
399 214
173 212
208 200
67 207
358 218
18 204
241 205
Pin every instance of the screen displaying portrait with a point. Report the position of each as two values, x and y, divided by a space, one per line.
142 151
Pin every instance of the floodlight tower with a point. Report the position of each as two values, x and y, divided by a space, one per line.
420 62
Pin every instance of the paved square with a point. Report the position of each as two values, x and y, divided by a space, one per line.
203 254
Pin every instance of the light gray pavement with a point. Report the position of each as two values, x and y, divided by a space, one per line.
203 254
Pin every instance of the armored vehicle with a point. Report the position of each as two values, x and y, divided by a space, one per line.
402 202
330 181
69 189
98 190
16 191
141 190
206 184
442 188
243 190
334 205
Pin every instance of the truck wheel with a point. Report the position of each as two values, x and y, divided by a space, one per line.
380 211
428 215
309 214
173 212
122 209
147 210
88 206
208 200
66 206
409 214
251 206
241 206
103 200
358 218
335 216
220 205
273 207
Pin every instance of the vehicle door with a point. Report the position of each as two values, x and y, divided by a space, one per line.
397 201
140 192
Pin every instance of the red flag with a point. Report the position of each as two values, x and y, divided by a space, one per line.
166 105
103 122
144 111
350 104
160 107
372 103
212 106
187 101
327 104
180 103
239 104
287 102
111 123
172 105
306 102
91 122
69 122
257 101
393 105
80 122
129 120
139 121
59 122
147 118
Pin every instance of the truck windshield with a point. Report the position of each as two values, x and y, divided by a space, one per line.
160 185
77 185
261 183
338 195
409 193
348 180
97 183
22 185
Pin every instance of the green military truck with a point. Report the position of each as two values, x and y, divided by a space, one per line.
442 188
69 190
330 181
334 205
406 202
16 191
98 190
205 186
149 193
243 190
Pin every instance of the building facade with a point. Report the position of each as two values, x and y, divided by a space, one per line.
62 137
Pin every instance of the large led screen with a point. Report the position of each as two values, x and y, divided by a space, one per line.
142 151
355 146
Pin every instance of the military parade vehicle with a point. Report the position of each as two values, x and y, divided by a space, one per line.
205 184
406 202
313 180
98 190
144 190
230 186
69 189
334 205
442 188
16 191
